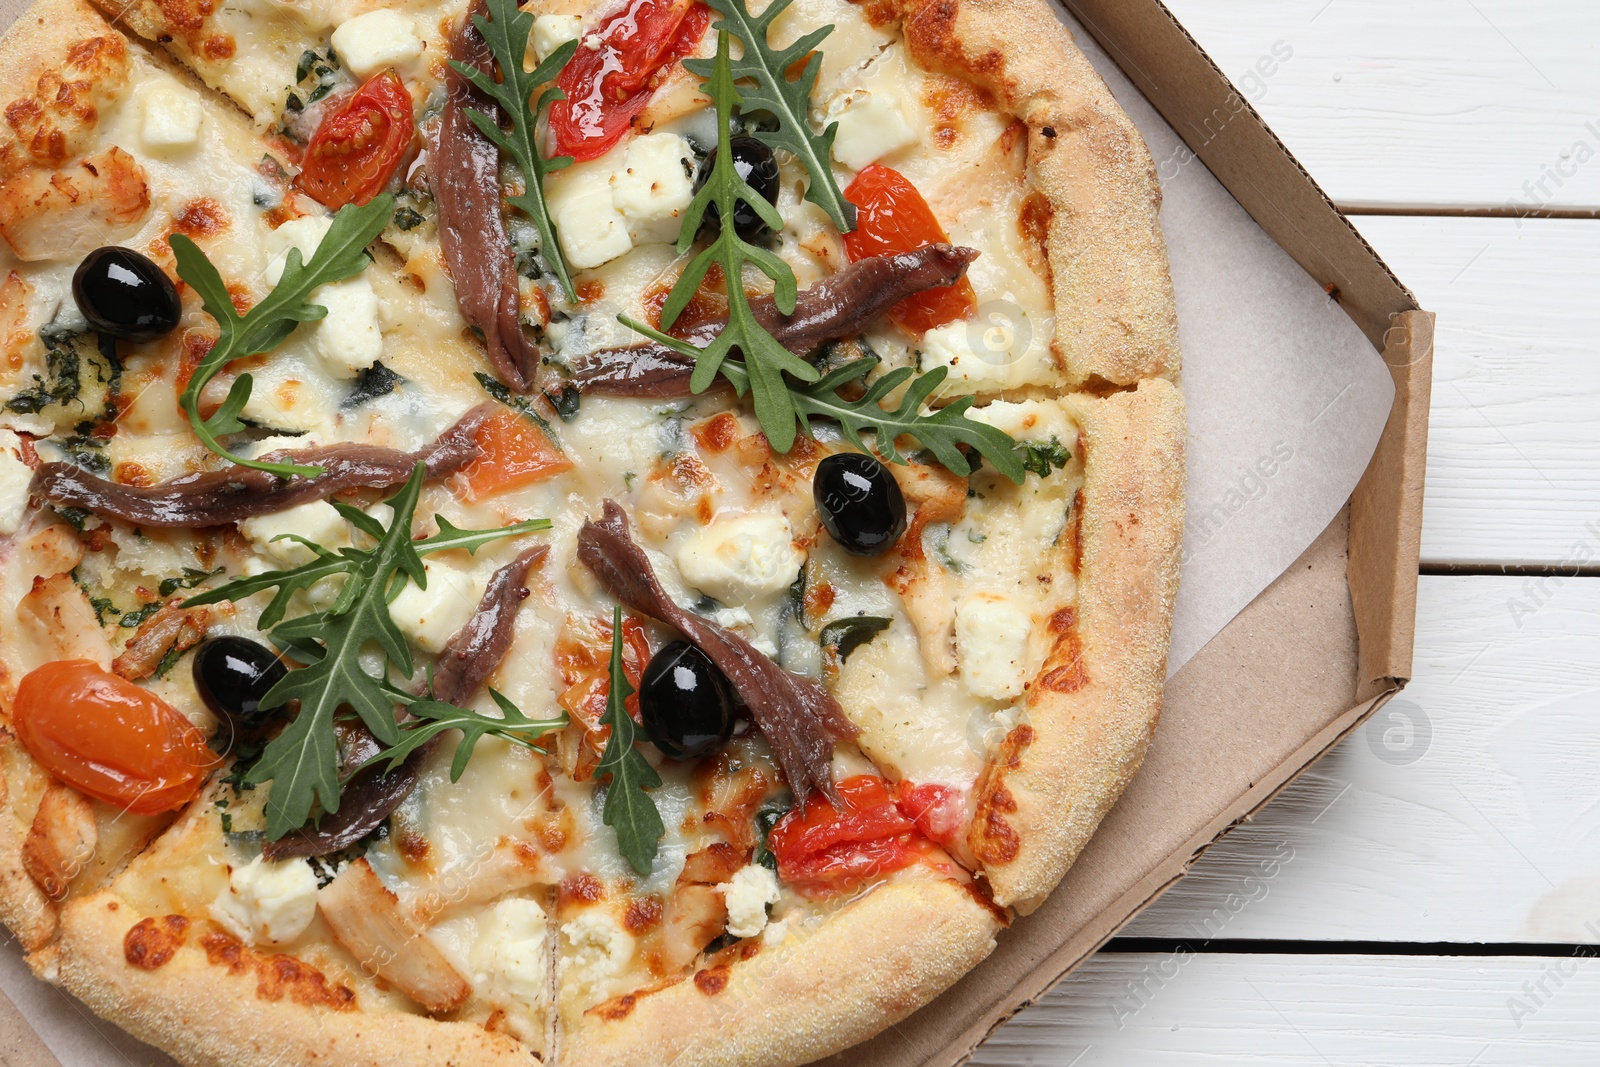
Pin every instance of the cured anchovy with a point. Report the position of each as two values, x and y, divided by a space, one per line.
839 306
799 718
464 177
215 498
471 656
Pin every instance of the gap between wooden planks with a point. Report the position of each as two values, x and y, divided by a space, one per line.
1429 105
1175 1010
1512 472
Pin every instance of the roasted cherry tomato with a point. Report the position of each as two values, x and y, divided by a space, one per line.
513 452
891 217
939 811
607 86
828 851
360 143
583 662
110 739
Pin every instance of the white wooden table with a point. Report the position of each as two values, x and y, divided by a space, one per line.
1430 892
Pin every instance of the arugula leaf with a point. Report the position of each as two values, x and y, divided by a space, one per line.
302 761
784 98
434 717
506 32
628 810
765 360
940 430
345 561
341 254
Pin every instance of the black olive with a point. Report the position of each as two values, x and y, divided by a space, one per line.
233 674
756 164
685 702
859 502
124 294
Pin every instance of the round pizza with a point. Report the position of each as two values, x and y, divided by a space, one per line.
621 532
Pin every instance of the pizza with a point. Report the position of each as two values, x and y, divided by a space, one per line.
445 619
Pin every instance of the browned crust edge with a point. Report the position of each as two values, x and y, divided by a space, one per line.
1116 319
206 1015
862 969
1094 707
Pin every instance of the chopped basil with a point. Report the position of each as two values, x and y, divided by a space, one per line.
1041 457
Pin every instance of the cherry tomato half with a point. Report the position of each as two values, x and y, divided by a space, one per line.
110 739
939 811
360 143
607 86
892 217
827 851
583 662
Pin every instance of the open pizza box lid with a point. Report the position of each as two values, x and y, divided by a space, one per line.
1301 665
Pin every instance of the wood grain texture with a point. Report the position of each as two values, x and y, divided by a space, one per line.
1464 811
1149 1010
1512 472
1428 104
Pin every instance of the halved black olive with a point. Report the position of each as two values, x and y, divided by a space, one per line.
685 702
233 674
859 502
123 294
759 167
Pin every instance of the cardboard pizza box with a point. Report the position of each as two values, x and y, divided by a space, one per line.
1308 660
1300 667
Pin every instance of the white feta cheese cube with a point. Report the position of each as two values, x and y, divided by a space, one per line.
430 617
992 645
377 39
316 521
14 479
552 31
596 949
591 229
304 233
653 186
970 371
508 957
268 902
740 559
747 895
169 117
871 126
349 338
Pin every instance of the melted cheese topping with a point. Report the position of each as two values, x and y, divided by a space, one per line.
512 868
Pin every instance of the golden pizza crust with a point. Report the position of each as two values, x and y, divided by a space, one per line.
1116 321
63 64
867 966
1093 707
209 1001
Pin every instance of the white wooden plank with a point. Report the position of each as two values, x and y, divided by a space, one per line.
1152 1010
1512 471
1476 820
1439 103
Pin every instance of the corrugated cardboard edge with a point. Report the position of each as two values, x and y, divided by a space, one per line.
1386 513
1145 892
1225 132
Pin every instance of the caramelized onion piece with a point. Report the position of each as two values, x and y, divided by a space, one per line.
466 663
215 498
799 718
839 306
464 176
